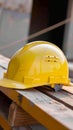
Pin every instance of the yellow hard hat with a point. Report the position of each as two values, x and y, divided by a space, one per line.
37 63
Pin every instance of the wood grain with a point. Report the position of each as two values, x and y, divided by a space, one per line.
48 107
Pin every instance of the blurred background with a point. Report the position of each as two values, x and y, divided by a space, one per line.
21 18
14 23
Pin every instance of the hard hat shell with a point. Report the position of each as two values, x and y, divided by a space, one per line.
37 63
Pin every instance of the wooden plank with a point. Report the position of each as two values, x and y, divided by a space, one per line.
63 96
43 108
18 117
2 72
4 123
4 61
68 89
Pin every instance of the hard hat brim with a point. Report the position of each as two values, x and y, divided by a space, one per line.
7 83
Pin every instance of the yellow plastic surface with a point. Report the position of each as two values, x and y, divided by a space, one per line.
37 63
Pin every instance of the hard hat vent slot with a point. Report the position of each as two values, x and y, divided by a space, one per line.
36 64
51 59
